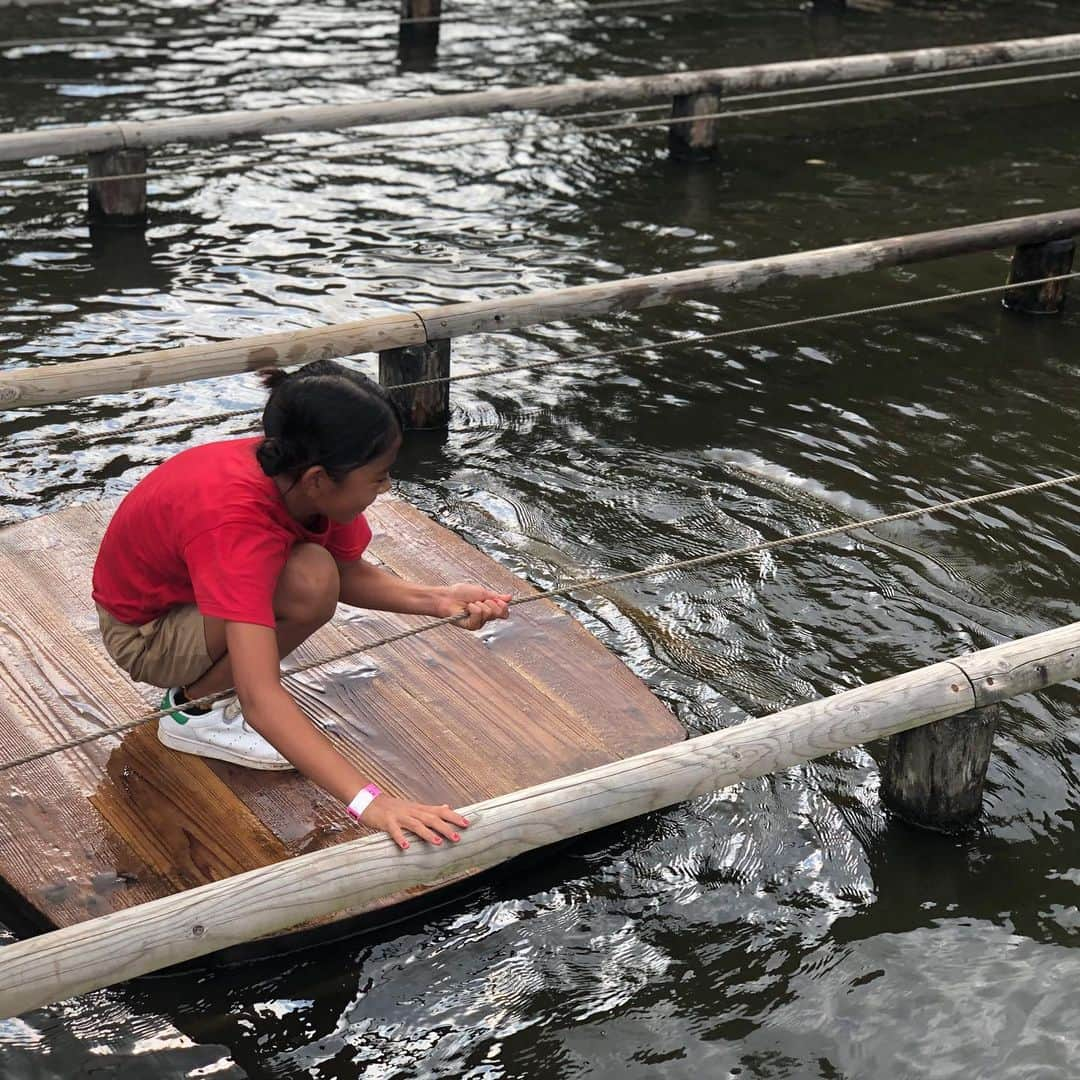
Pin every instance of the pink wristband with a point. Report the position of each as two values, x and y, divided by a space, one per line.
364 798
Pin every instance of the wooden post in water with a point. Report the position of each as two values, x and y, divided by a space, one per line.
421 406
1030 262
117 202
694 140
933 775
418 34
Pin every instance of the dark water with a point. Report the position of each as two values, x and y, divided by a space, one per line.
784 928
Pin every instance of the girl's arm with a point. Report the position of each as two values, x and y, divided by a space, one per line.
365 585
270 709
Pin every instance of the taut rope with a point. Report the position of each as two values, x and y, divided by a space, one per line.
695 339
588 585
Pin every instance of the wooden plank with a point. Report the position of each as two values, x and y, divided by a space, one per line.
59 860
383 726
356 874
178 815
243 124
64 382
378 725
168 809
413 726
542 643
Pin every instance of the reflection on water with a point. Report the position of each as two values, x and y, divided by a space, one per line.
785 928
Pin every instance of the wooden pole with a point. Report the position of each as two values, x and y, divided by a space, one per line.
697 140
418 34
207 361
117 202
70 380
590 301
1030 262
132 942
423 407
933 775
244 124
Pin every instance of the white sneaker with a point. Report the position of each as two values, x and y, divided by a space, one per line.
220 733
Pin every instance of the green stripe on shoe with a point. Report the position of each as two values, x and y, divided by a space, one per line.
176 714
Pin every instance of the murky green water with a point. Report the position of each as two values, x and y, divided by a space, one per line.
784 928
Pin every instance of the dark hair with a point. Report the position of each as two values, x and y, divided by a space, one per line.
324 414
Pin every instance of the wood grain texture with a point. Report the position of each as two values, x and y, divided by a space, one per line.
540 641
1032 262
451 717
64 382
224 127
358 873
590 301
422 406
1025 665
117 202
933 775
166 808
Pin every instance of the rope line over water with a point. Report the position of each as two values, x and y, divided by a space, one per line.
695 339
381 138
588 585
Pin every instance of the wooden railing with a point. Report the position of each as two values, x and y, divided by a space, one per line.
243 124
426 327
125 944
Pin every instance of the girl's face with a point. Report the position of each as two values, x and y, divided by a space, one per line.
358 489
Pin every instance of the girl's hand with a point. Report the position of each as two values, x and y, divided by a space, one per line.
430 823
479 604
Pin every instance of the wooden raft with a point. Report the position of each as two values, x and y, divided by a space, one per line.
449 716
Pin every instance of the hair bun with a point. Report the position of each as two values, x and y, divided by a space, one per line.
273 376
272 456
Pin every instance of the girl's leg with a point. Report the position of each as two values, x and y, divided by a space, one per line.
306 595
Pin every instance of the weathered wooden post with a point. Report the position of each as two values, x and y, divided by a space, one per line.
1031 262
117 202
933 776
418 34
421 406
694 140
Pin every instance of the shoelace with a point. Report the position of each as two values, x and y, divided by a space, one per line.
231 711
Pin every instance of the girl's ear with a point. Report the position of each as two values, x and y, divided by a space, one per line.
314 478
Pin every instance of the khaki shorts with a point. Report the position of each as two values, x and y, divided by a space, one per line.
167 651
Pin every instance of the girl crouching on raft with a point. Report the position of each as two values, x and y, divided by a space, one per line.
226 557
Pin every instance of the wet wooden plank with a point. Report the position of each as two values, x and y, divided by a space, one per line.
181 822
448 716
541 641
59 874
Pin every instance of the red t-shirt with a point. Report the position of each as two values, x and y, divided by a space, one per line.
207 527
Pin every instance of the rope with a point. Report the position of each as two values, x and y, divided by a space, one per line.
859 99
886 80
589 585
392 138
694 339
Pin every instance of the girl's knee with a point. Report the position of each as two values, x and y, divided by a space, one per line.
309 586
